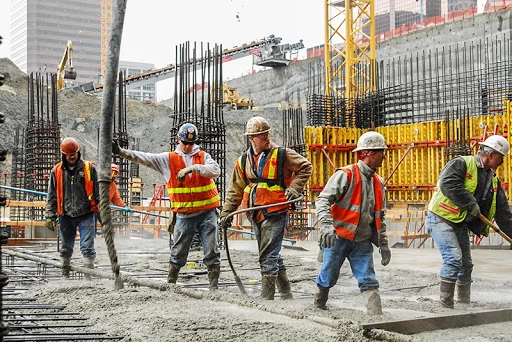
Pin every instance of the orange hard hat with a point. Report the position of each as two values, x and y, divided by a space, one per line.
115 169
69 146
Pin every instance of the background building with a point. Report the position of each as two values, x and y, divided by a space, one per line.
146 92
40 31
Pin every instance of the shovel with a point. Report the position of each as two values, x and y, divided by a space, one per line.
493 226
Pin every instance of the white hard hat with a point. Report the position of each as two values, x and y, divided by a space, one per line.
257 125
497 143
371 141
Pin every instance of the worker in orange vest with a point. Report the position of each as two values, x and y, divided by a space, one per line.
114 196
189 173
267 174
350 210
73 199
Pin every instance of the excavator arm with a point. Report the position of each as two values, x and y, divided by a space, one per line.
68 73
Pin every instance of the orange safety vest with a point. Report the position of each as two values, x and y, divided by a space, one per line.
346 212
89 186
269 188
193 194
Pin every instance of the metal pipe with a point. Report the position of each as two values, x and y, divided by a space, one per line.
398 164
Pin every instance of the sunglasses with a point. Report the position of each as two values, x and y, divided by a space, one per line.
187 142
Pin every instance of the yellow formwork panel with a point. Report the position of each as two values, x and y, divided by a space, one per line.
416 176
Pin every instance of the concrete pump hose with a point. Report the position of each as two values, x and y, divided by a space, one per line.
108 231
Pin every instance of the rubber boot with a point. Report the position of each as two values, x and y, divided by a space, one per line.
321 296
446 291
172 277
213 277
372 302
464 293
283 285
66 264
268 286
88 263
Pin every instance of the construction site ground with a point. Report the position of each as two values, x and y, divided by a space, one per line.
188 312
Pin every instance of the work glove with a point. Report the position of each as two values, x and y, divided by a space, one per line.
226 221
328 236
51 223
127 209
385 254
475 210
115 147
291 194
183 172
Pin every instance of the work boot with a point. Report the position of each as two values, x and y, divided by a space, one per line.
446 291
372 302
172 277
321 296
268 286
283 285
213 277
88 263
464 293
66 266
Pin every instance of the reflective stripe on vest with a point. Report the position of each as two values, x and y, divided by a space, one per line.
193 194
346 212
443 207
263 193
89 186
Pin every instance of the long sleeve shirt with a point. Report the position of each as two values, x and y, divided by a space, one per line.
294 164
451 183
114 196
336 187
160 162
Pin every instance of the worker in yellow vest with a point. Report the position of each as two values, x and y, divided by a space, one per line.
267 174
190 173
350 210
467 187
73 199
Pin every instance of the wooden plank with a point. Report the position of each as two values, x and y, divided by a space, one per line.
413 236
31 204
414 326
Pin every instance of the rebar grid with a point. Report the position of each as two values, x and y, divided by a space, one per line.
203 108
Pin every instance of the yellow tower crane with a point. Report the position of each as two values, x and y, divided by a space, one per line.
350 57
106 20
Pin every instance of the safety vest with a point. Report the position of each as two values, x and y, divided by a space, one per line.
346 211
443 207
193 194
89 186
269 187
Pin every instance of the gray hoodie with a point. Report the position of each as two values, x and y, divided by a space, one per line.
160 162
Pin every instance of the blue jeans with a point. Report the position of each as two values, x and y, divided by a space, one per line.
270 234
86 227
453 243
205 224
360 257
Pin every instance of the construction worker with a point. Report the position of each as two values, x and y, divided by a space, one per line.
467 188
73 199
189 173
114 196
267 174
350 211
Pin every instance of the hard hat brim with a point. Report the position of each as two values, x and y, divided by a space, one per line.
495 150
265 131
369 148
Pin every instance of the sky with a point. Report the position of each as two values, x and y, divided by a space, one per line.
153 28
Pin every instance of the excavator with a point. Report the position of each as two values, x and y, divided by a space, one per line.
231 97
69 74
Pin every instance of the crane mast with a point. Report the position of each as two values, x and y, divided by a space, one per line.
350 56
